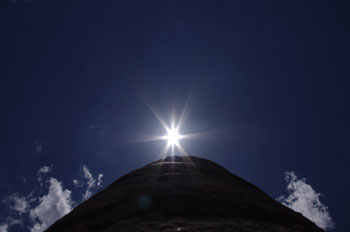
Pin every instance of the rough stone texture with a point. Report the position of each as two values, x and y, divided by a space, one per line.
182 194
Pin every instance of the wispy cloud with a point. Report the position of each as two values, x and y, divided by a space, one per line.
77 184
4 228
17 203
91 182
44 169
39 147
304 199
8 223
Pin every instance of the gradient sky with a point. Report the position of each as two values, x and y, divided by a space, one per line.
268 82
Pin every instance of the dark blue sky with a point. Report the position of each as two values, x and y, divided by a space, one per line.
270 78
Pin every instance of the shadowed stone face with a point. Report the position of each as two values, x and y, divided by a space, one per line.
182 194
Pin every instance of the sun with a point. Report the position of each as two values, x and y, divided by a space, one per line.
173 136
172 129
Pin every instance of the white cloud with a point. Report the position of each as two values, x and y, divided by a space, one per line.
21 204
53 206
304 199
43 209
76 183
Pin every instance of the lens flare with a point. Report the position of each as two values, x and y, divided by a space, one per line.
172 130
173 136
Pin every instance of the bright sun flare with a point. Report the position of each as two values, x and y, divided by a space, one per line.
172 129
173 136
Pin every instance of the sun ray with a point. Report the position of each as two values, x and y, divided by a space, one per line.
172 150
145 139
165 150
188 158
185 112
156 113
202 135
182 151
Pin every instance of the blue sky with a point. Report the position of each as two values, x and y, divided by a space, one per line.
266 82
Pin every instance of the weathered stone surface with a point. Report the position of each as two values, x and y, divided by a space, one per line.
182 194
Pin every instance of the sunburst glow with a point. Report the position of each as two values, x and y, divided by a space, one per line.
173 136
172 130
